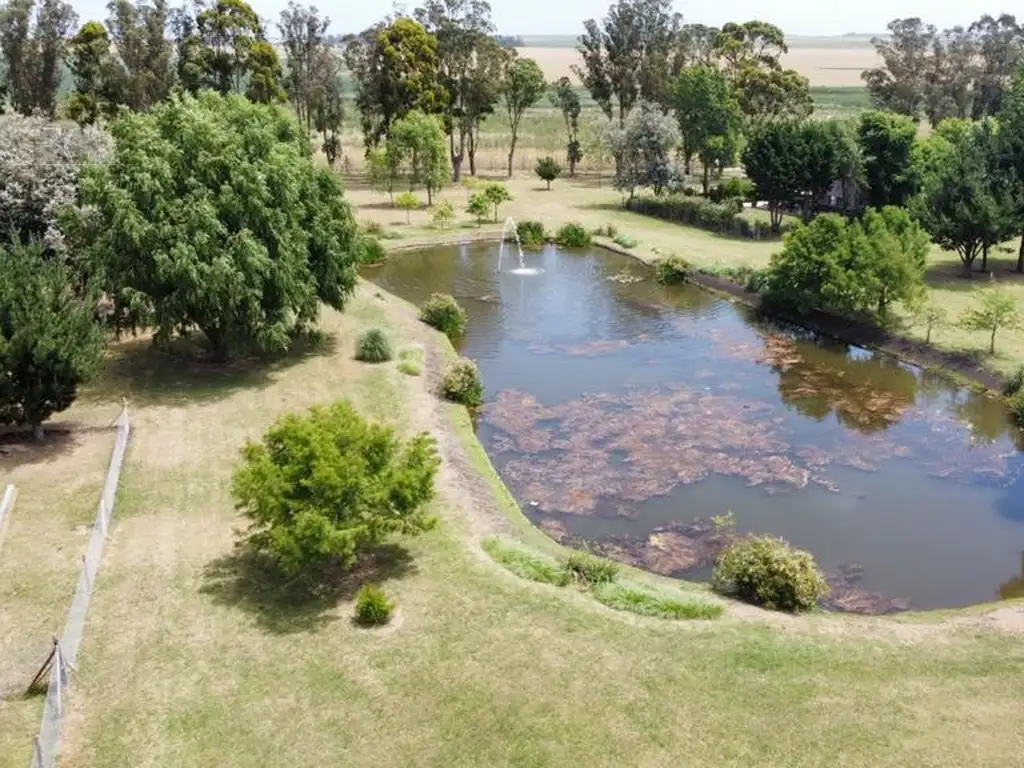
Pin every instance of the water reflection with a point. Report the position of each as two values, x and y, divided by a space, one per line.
628 412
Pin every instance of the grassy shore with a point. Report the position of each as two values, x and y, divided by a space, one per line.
193 658
594 204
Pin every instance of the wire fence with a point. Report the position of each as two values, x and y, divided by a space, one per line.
6 505
61 663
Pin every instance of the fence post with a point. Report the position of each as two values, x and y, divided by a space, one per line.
103 518
39 754
58 670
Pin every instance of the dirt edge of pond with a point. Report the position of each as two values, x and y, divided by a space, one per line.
481 503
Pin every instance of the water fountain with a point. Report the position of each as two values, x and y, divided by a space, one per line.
510 226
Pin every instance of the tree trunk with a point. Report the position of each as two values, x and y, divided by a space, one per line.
472 152
37 433
511 155
218 345
408 216
706 181
992 345
1020 255
928 334
430 195
776 219
549 185
984 260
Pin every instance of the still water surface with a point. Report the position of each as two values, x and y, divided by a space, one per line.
626 414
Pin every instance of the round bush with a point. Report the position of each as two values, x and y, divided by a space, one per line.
373 607
1017 408
461 383
672 270
767 571
531 233
573 235
444 313
374 347
1015 383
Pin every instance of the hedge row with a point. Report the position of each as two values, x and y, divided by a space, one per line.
721 218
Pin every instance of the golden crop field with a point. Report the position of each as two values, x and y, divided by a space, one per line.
838 65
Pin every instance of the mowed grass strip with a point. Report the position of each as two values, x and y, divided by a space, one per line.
193 657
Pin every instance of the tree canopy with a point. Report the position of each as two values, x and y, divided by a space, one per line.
709 117
211 216
522 86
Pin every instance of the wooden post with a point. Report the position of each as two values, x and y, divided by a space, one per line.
58 672
39 754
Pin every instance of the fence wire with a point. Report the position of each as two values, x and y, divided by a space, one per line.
66 647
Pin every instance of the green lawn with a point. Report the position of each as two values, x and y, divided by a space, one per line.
192 658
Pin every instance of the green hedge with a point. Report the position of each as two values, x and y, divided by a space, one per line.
721 218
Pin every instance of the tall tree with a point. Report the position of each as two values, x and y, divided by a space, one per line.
98 75
644 150
302 37
628 55
189 66
265 74
395 70
522 86
899 85
416 143
227 30
238 235
697 46
563 96
752 43
139 34
50 341
709 117
466 54
328 102
963 201
1001 51
33 41
887 143
951 76
1011 124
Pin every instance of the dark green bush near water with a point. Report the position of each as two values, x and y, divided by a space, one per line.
461 383
767 571
588 570
1015 383
721 218
531 234
672 270
573 235
444 313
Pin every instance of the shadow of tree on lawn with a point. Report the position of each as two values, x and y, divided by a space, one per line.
183 372
282 605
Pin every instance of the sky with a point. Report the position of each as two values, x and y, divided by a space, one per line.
562 17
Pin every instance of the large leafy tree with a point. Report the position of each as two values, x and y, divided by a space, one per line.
416 143
467 57
793 163
522 86
328 103
886 141
211 216
629 55
139 34
395 68
563 96
33 41
325 487
189 63
1011 122
966 200
302 37
1001 52
709 117
50 340
265 74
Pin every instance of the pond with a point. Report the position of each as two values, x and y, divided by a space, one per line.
625 415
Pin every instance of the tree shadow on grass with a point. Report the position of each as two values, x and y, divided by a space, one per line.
19 447
949 274
182 373
283 606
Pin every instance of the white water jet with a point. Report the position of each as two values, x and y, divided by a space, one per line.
510 226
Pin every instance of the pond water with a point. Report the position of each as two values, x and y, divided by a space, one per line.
624 415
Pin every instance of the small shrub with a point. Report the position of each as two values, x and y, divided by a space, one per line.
1015 383
374 228
573 235
479 206
390 234
444 313
738 189
408 202
372 251
608 230
373 347
672 270
625 240
461 383
443 215
1016 405
548 169
769 572
411 360
496 193
525 564
410 367
644 603
373 608
531 233
588 570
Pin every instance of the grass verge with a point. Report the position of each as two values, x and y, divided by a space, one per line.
526 564
646 603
